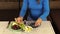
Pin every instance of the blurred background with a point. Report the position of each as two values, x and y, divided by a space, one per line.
9 9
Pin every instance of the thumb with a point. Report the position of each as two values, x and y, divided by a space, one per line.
15 19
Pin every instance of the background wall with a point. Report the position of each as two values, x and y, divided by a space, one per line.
9 9
55 15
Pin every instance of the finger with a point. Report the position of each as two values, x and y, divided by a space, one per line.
16 19
36 24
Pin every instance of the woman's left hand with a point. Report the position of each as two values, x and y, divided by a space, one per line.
38 22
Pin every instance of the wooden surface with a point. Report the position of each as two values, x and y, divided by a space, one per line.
45 28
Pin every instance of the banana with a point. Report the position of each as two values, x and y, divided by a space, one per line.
28 28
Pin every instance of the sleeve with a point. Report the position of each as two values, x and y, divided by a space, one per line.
23 9
46 9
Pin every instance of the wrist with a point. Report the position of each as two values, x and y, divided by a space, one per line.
40 19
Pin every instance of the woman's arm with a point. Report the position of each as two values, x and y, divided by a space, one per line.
46 9
23 9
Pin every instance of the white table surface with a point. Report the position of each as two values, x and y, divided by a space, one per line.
45 28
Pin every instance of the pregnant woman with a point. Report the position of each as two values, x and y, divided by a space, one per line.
39 10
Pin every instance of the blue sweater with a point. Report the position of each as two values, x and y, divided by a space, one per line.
36 10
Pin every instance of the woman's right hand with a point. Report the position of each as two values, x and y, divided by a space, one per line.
19 19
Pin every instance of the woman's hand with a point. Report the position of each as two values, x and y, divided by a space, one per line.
19 19
38 22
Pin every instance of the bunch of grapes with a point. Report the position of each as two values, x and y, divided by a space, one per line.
15 27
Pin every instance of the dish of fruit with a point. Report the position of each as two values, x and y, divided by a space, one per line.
21 27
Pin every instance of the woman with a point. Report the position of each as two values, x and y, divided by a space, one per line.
39 10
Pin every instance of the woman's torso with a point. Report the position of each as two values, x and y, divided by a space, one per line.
35 8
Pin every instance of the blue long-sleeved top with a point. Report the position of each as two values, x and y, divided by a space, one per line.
36 10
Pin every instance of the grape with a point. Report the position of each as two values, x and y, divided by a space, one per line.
15 27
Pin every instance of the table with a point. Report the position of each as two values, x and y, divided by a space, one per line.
45 28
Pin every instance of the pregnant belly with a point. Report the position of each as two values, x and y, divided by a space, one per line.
36 13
